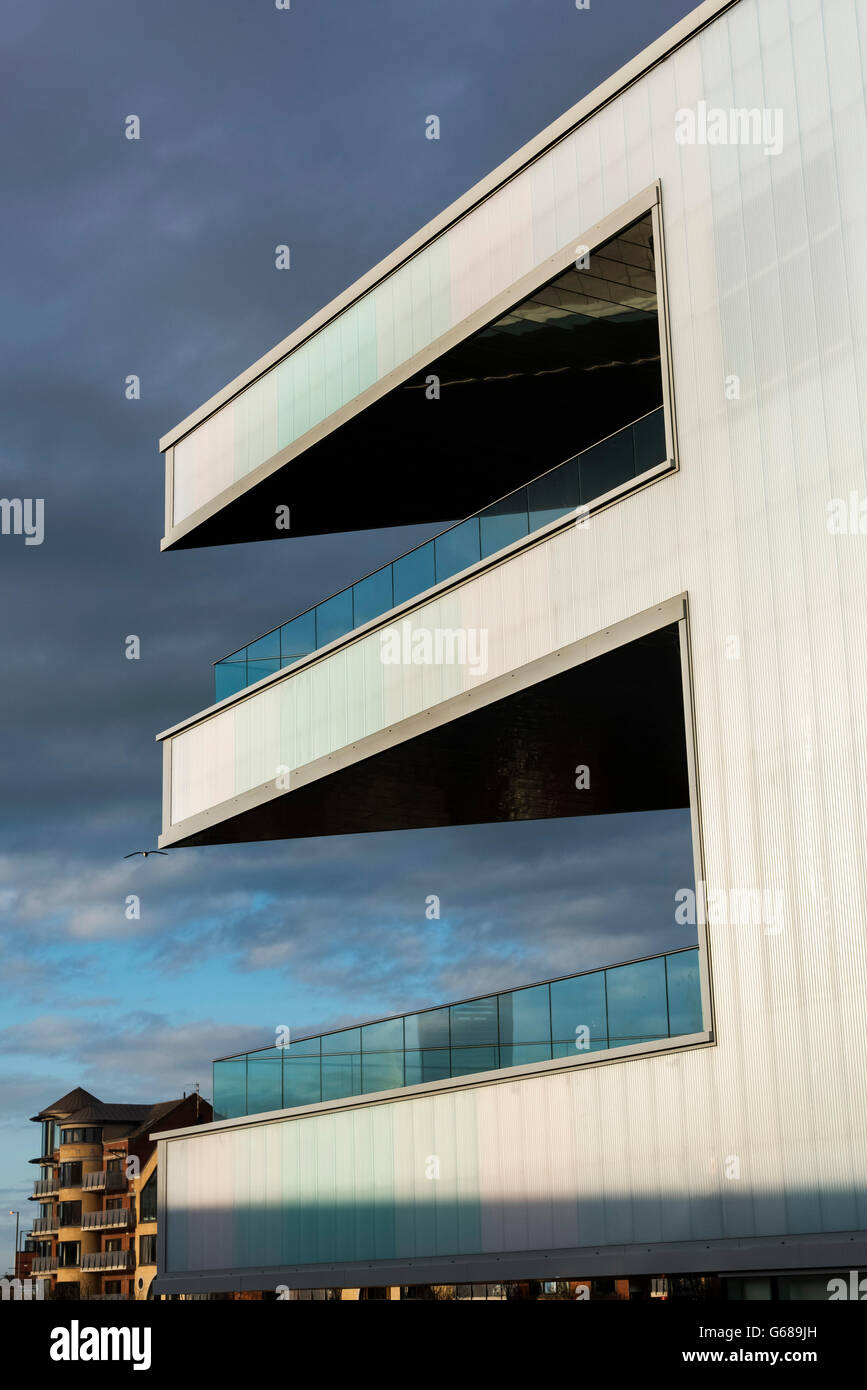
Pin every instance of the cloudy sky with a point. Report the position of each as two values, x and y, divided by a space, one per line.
156 257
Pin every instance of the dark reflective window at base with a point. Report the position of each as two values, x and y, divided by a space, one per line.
640 1001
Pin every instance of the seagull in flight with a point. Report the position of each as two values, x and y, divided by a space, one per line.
144 853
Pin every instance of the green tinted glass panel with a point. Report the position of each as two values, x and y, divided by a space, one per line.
576 1004
649 441
347 1041
636 1002
475 1023
264 1082
334 618
467 1060
427 1064
298 638
230 1088
428 1029
524 1054
553 495
382 1037
684 993
525 1016
341 1076
606 465
301 1083
264 648
504 522
381 1071
229 677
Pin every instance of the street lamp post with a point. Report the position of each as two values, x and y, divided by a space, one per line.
17 1215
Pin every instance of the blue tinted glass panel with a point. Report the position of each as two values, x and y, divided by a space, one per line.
230 1088
430 1029
524 1054
475 1023
334 618
264 1081
636 1002
606 465
347 1041
298 637
265 647
341 1076
382 1037
466 1060
525 1016
457 549
301 1084
553 495
381 1071
413 573
373 596
427 1065
684 993
649 437
230 677
580 1003
258 670
504 522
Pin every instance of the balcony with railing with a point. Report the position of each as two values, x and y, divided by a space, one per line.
44 1224
102 1261
104 1180
45 1187
107 1219
611 464
44 1265
640 1001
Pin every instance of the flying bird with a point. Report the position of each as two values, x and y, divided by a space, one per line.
144 853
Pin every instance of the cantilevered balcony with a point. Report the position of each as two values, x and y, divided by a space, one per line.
104 1181
605 470
45 1187
621 1007
107 1219
44 1224
103 1261
44 1265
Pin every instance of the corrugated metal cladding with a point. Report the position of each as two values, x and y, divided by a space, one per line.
767 284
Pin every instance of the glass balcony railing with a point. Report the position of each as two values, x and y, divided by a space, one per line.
644 1000
575 483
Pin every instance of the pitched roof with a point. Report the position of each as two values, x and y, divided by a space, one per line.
72 1101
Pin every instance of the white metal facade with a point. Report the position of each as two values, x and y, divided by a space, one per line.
767 284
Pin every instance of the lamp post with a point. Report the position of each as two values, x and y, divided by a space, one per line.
17 1215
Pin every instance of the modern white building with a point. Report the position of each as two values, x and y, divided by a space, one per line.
634 358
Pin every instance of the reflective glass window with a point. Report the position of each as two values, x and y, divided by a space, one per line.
427 1064
684 993
381 1071
334 618
265 648
504 522
606 465
466 1060
382 1037
301 1081
298 638
649 441
258 670
302 1047
475 1023
524 1054
525 1015
576 1004
636 1002
347 1041
264 1081
457 549
553 495
230 1088
373 596
413 573
229 678
428 1029
341 1076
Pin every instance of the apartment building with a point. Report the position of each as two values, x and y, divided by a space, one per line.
94 1237
631 362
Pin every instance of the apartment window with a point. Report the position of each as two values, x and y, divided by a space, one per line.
47 1136
115 1243
148 1209
70 1175
114 1165
114 1286
113 1203
69 1214
81 1135
69 1254
147 1250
